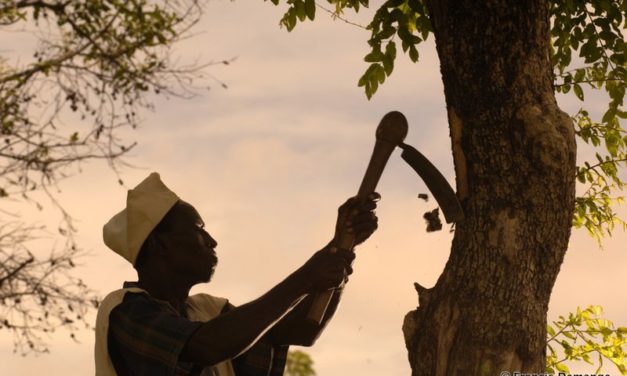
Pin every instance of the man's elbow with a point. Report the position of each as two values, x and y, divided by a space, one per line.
200 351
308 342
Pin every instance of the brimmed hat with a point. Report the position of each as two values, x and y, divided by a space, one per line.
146 205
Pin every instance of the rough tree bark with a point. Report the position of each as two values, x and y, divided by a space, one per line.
514 153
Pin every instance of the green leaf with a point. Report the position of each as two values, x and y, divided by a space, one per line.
310 9
562 367
374 56
423 25
390 56
362 80
612 143
299 6
413 53
578 91
380 73
387 32
390 50
609 114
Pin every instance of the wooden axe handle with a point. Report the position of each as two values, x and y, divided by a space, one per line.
390 133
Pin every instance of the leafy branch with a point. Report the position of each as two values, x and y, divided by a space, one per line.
95 68
581 335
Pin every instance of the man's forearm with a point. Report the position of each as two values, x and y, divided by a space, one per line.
297 329
233 332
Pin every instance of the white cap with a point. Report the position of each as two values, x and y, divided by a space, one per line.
146 205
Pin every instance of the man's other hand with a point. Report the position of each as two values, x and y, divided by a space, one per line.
357 216
326 270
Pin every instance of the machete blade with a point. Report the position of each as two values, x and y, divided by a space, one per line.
437 184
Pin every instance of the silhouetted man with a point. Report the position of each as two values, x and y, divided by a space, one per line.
153 327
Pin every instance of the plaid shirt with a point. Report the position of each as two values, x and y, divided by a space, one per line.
146 337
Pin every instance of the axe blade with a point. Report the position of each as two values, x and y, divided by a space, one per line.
437 184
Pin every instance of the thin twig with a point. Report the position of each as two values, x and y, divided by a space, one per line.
336 15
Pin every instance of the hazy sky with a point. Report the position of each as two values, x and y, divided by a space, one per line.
268 161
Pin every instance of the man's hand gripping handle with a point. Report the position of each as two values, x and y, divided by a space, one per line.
390 133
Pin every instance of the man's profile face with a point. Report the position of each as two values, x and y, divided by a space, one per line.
190 249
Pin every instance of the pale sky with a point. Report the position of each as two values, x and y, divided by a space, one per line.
268 161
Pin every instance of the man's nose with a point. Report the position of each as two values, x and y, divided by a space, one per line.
211 242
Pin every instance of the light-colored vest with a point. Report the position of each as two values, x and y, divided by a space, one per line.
201 307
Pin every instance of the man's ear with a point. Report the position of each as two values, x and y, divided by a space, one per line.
158 245
150 249
153 247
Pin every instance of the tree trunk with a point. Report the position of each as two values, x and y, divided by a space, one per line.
514 153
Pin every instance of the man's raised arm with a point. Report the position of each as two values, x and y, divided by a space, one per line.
356 216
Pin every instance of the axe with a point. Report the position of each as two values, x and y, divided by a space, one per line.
390 133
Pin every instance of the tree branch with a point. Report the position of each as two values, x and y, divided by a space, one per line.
41 66
594 166
590 81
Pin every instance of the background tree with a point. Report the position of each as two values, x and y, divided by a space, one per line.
515 161
299 363
93 68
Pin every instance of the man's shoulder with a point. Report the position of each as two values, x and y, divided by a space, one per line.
203 298
112 303
135 303
116 297
207 304
202 295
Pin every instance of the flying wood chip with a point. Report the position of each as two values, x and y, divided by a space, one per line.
433 220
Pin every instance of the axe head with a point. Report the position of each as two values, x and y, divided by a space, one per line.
392 128
437 184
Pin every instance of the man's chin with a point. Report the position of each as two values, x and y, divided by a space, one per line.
209 274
